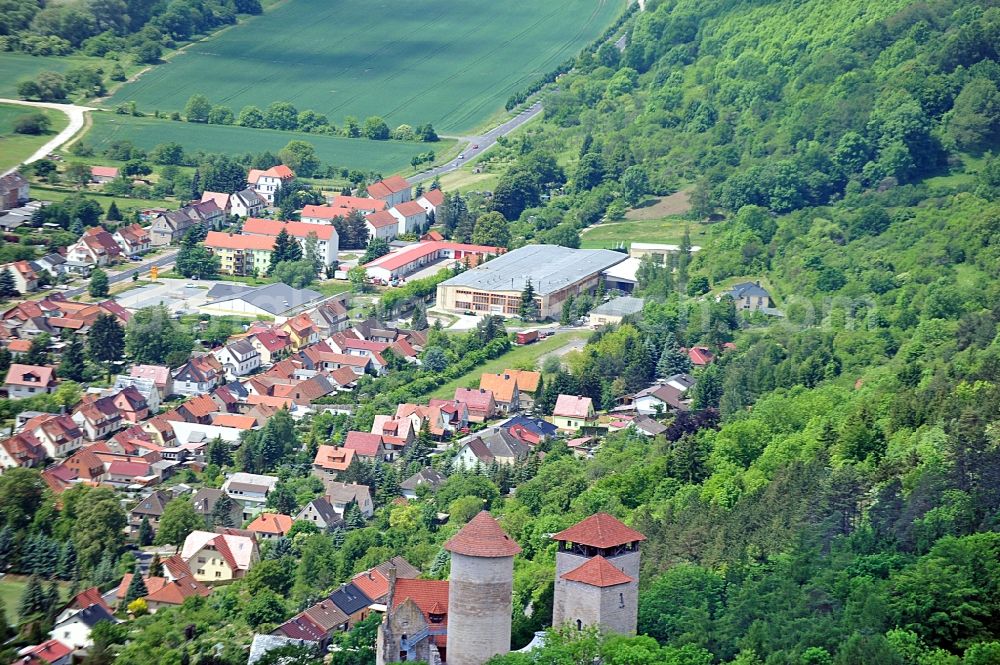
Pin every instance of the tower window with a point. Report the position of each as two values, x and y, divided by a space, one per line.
579 625
621 600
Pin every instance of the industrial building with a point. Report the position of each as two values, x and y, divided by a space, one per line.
555 273
417 256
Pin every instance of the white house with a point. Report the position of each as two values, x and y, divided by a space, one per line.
250 490
340 495
267 183
29 380
75 630
216 557
325 235
238 358
146 387
431 200
24 274
382 224
393 190
133 239
410 215
246 203
198 376
95 247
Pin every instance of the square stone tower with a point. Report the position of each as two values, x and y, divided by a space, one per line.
597 575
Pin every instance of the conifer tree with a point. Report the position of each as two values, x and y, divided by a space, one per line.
53 602
156 566
72 365
282 246
222 512
145 533
8 289
419 321
527 310
105 571
8 547
114 215
32 599
136 587
67 561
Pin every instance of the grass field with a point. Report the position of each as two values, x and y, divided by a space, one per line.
14 148
453 64
382 156
11 588
16 67
666 231
518 357
50 194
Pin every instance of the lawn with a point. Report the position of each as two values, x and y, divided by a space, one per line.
517 358
453 64
15 148
11 589
665 231
382 156
16 67
50 194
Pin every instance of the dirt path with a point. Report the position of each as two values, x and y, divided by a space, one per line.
77 116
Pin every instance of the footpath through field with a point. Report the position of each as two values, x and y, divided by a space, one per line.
76 121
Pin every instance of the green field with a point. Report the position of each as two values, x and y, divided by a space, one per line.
383 156
14 148
518 357
453 64
666 231
15 67
11 589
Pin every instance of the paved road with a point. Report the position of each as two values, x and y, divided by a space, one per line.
480 144
76 119
160 261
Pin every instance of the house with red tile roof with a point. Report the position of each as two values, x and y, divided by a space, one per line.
216 557
270 525
158 374
301 331
330 461
21 450
98 418
393 190
504 389
573 412
700 356
129 472
479 402
29 380
59 478
131 404
367 446
85 465
24 274
18 346
200 374
411 216
103 174
431 200
49 652
95 247
382 224
348 204
267 182
221 199
133 239
271 344
58 434
325 235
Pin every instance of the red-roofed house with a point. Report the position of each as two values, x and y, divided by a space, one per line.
331 461
133 239
393 190
59 434
573 412
271 344
122 472
327 240
369 446
410 215
25 277
29 380
95 247
50 652
240 254
102 174
382 224
266 183
700 356
430 200
479 402
348 204
270 525
21 450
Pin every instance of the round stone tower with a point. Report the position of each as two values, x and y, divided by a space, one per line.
480 590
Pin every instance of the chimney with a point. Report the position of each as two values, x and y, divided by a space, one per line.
392 590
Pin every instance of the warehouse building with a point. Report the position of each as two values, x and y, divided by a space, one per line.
422 254
555 273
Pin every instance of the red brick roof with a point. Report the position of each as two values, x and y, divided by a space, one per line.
372 583
363 443
220 240
18 375
600 530
275 523
431 596
381 219
349 203
597 572
104 171
484 537
387 187
573 406
272 227
433 196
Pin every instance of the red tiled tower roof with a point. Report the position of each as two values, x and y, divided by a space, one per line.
597 572
600 530
484 537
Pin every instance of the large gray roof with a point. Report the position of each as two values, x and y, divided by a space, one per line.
274 298
549 267
623 306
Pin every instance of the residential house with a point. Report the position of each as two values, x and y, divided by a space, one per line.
701 356
329 318
410 216
269 526
341 495
480 403
199 375
455 413
250 490
58 478
431 200
321 513
647 426
221 199
54 263
103 174
246 203
146 388
133 239
324 235
324 215
505 391
29 380
393 190
348 204
149 508
749 296
498 446
614 311
131 405
21 450
74 631
14 191
374 582
573 412
353 602
219 557
301 331
129 471
300 629
167 591
241 255
159 375
58 434
25 275
204 501
664 398
169 227
95 247
272 345
405 428
382 224
530 430
267 183
330 461
374 446
238 358
328 617
49 652
428 477
85 466
81 601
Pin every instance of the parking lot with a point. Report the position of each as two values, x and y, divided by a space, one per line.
179 295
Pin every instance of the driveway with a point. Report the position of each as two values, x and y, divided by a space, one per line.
480 144
76 120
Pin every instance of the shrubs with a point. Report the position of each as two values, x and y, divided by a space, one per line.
32 123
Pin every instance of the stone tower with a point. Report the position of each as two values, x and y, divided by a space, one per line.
480 591
597 575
